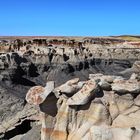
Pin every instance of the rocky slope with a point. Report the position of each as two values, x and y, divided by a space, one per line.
31 61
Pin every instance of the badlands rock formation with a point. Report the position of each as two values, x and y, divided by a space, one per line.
62 74
92 112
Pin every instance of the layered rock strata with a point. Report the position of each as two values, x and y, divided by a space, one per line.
105 108
26 62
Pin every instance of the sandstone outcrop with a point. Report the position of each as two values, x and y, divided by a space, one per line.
92 112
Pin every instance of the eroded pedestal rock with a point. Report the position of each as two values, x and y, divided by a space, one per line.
89 111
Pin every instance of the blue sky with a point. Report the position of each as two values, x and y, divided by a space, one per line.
70 17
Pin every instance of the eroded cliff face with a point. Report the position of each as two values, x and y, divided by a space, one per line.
25 63
33 64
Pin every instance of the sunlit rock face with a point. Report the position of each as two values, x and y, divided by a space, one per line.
92 112
33 61
84 87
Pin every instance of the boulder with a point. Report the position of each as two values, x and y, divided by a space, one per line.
37 95
126 86
84 95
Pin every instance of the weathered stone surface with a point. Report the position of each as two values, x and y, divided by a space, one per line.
136 66
83 96
129 120
37 95
126 86
88 114
28 113
100 76
105 85
33 134
137 100
70 87
110 133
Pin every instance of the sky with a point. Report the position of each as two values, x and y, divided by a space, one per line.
69 17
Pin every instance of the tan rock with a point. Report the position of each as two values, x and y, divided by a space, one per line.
85 94
124 102
129 120
84 115
109 100
60 129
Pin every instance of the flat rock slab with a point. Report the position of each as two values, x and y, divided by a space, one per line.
126 86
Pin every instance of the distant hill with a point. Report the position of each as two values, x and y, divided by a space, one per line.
129 37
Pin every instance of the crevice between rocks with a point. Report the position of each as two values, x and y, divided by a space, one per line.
20 129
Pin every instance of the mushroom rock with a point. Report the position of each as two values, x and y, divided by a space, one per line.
81 110
33 95
70 87
83 96
37 95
